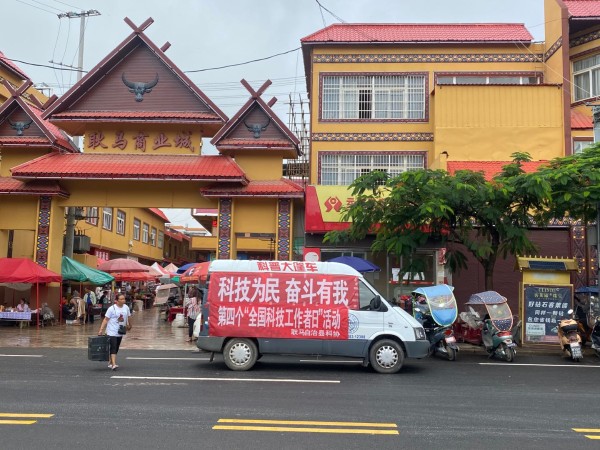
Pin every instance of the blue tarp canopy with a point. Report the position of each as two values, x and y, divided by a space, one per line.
76 271
587 290
358 264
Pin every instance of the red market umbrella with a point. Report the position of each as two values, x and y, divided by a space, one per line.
133 276
195 273
122 265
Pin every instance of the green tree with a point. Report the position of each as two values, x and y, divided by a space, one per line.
489 218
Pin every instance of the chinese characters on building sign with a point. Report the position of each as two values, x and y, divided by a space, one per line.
141 141
281 304
544 307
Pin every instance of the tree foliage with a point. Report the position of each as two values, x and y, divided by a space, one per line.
489 218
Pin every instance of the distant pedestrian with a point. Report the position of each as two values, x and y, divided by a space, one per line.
81 307
194 304
117 322
90 303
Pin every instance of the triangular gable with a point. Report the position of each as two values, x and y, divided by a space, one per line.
136 78
256 126
22 124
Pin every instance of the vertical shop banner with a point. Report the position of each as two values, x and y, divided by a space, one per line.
281 304
544 307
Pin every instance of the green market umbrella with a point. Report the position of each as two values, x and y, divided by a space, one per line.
76 271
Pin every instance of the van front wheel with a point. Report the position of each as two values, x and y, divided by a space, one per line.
240 354
386 356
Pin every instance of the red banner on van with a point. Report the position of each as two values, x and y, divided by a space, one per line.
281 305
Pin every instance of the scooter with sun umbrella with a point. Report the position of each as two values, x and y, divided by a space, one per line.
497 324
435 307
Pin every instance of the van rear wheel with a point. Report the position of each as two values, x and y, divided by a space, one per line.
386 356
240 354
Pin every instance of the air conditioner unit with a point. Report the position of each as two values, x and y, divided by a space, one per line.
81 244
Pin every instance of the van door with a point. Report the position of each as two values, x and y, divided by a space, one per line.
363 324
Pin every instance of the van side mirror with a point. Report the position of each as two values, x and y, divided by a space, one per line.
376 304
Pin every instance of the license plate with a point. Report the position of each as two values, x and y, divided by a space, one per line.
450 339
511 345
575 344
508 341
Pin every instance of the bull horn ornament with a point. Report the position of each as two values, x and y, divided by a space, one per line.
256 128
19 126
139 88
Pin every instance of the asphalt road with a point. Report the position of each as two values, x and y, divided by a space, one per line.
177 399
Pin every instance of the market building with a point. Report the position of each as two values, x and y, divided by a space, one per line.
399 97
143 121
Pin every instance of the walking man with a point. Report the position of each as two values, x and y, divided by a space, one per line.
116 323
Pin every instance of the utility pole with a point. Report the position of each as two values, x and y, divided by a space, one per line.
71 219
596 122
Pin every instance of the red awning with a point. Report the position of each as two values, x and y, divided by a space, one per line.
23 270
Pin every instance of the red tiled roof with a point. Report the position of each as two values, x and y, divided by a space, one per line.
174 234
73 115
61 138
271 188
128 166
24 140
421 32
580 121
489 168
160 214
583 8
10 185
12 66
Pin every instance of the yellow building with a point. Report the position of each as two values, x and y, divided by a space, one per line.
399 97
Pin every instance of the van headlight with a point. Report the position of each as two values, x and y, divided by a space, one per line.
420 333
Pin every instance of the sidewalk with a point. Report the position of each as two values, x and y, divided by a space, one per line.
150 332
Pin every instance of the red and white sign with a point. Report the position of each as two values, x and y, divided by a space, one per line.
281 305
102 255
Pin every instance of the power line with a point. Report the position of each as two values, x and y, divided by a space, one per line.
242 63
36 7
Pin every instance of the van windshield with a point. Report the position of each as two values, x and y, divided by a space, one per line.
366 293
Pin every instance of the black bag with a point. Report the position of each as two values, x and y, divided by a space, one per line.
122 330
98 348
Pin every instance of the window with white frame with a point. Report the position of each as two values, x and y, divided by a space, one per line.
161 239
107 218
487 79
586 78
153 237
374 97
145 232
136 229
91 215
341 169
579 145
120 222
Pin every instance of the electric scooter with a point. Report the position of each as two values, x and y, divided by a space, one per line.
497 324
569 338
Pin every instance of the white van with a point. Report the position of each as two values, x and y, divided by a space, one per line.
317 308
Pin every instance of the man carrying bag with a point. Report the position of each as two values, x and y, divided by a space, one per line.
117 322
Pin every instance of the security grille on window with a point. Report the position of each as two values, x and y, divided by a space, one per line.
586 78
120 222
91 215
107 216
161 239
342 169
373 97
145 232
136 229
153 237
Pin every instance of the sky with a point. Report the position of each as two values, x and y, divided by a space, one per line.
209 34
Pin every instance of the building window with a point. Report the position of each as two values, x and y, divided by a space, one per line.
487 79
136 229
153 237
121 222
341 169
373 97
107 216
161 239
145 231
91 215
579 145
586 78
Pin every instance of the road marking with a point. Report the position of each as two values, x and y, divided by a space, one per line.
23 356
36 416
309 426
588 430
14 416
257 380
507 364
17 422
171 359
